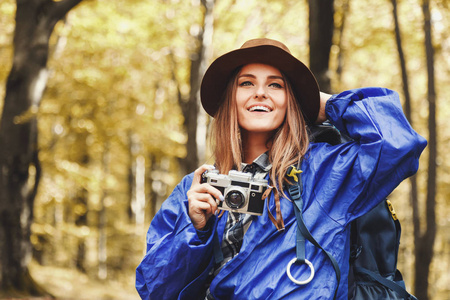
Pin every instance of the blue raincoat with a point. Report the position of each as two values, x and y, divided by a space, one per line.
340 183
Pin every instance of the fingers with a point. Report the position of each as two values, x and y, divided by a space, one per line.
324 97
208 189
201 207
200 195
198 187
200 215
207 207
198 173
323 101
202 199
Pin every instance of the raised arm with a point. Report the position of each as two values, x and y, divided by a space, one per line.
384 151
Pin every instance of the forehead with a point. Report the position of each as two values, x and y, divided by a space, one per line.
257 68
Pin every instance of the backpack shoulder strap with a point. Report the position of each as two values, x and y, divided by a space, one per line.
295 189
387 283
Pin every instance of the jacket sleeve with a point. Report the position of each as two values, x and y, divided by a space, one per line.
351 178
176 252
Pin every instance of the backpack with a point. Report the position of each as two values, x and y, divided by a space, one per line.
374 240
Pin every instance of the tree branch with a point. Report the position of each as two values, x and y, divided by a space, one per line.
61 8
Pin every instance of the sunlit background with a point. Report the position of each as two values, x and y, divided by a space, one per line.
112 138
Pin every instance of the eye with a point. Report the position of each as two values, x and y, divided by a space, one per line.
276 85
245 83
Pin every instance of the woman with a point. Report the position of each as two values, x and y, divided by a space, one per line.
263 100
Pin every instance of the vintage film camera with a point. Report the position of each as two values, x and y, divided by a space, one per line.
241 191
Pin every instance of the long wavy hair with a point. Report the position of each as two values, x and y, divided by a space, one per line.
289 142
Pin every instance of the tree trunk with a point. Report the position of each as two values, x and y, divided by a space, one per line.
153 195
321 27
136 182
414 194
340 59
195 118
25 85
401 56
102 272
140 190
425 244
81 216
131 174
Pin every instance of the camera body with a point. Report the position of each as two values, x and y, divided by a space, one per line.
242 193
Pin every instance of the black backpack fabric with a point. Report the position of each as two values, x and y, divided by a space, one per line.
375 240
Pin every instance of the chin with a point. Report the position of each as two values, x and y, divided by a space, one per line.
267 127
259 130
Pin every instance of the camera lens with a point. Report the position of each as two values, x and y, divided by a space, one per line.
235 199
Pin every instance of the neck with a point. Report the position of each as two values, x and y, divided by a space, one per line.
254 144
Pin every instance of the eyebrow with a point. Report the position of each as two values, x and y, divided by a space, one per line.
269 77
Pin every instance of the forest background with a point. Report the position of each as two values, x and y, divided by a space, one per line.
110 122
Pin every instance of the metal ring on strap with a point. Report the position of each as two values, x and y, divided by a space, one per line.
288 270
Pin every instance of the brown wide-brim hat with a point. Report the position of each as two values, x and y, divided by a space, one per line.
264 51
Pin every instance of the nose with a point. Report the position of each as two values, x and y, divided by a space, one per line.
260 92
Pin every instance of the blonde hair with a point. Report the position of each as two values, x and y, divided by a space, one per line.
288 144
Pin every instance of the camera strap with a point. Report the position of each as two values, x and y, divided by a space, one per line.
278 220
295 188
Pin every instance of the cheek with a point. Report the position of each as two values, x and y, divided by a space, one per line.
280 117
279 97
241 97
239 112
282 103
240 102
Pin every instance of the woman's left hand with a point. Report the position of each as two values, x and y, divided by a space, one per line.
322 117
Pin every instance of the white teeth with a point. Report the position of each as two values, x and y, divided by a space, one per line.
258 107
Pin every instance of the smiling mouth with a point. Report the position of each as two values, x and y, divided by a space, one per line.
259 108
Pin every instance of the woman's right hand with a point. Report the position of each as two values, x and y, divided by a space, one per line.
202 204
322 117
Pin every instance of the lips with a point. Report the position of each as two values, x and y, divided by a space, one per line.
259 108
